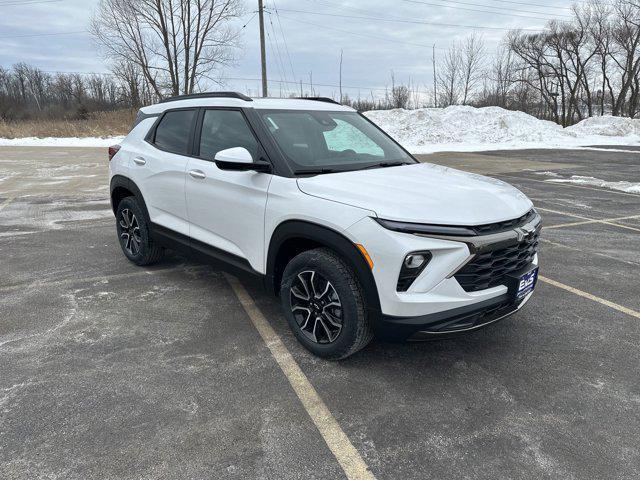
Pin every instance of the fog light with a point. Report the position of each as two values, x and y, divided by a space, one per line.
414 260
412 266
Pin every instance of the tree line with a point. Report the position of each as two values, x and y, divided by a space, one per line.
26 93
588 65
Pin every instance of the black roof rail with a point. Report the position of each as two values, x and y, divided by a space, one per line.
319 99
237 95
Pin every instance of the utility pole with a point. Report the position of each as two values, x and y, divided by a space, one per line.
341 52
435 78
263 51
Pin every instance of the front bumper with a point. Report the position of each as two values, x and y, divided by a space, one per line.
437 303
449 323
436 290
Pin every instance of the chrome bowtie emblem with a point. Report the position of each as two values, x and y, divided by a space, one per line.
524 233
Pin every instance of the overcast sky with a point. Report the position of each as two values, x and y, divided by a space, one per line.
398 38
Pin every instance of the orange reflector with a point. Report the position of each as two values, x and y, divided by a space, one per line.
365 254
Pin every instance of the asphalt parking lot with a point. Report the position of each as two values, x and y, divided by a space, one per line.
177 371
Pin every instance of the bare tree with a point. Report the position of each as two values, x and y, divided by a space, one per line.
626 38
449 77
400 94
176 44
471 64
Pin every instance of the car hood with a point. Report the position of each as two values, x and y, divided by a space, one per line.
422 193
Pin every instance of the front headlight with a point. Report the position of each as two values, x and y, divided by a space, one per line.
407 227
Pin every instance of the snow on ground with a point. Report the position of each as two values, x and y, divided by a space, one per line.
623 186
60 142
456 128
463 128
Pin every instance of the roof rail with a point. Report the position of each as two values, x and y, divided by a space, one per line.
237 95
320 99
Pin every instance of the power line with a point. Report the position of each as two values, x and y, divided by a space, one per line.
366 35
43 34
280 56
417 22
378 89
28 3
528 4
275 58
58 72
486 11
360 10
244 79
284 39
500 12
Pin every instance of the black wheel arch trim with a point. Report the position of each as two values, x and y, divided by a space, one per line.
120 181
330 238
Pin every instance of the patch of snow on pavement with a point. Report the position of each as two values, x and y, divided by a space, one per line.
622 186
548 174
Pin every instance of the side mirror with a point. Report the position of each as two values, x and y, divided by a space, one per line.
239 159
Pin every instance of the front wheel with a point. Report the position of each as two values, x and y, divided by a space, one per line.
133 233
324 304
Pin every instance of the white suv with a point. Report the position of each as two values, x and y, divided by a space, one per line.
355 236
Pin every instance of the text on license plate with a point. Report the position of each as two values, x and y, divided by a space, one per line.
527 283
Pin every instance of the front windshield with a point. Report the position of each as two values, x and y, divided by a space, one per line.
313 140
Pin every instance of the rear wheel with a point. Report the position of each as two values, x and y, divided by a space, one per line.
324 304
133 232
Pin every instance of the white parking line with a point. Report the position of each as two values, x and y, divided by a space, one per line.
346 454
603 220
599 300
6 202
599 254
587 220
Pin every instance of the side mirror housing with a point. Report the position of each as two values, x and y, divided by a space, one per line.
239 159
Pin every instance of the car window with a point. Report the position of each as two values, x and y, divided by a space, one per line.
335 140
173 131
222 129
347 137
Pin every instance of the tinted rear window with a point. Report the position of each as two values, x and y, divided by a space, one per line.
173 131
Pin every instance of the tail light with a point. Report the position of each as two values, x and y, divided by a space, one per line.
113 150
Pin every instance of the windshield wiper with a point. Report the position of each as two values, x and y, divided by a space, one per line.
315 171
386 164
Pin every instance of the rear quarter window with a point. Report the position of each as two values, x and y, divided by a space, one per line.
173 133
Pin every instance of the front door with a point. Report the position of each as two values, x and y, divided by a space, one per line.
226 208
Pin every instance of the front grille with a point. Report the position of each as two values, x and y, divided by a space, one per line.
504 226
489 269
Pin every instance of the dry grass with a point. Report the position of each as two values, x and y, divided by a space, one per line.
99 124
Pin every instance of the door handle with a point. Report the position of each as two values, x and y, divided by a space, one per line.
198 174
139 161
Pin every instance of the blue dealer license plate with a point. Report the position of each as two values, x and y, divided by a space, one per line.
527 284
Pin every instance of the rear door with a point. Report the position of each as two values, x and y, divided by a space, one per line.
226 208
159 166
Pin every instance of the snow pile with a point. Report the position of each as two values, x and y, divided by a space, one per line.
463 128
60 142
607 126
622 186
460 124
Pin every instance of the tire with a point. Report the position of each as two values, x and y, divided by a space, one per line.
133 234
321 283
